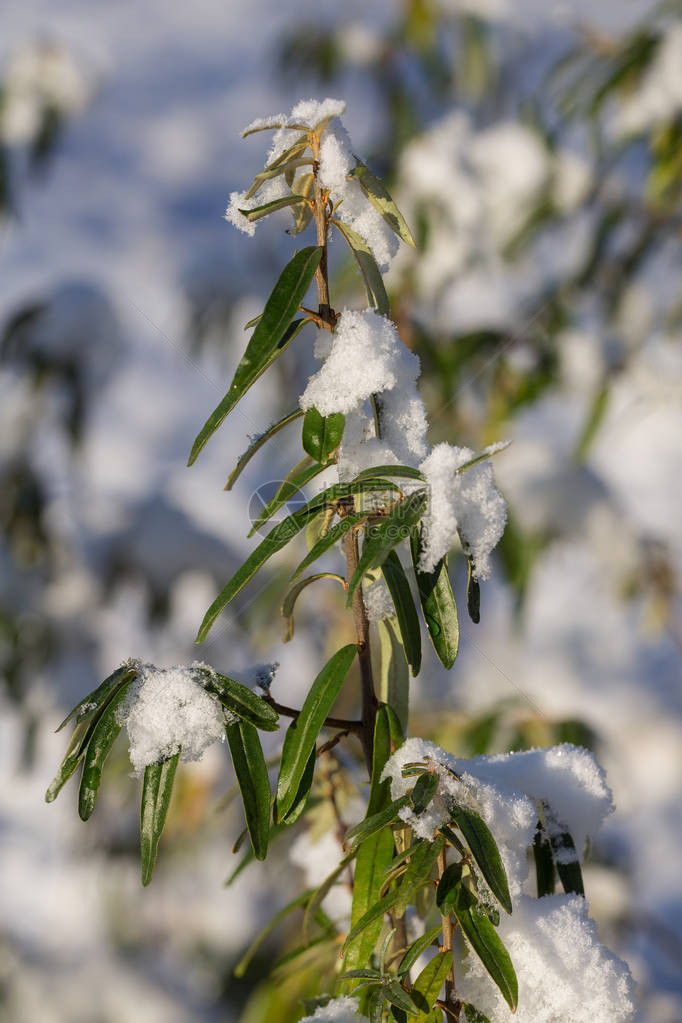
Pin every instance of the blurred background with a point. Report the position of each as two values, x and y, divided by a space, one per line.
536 150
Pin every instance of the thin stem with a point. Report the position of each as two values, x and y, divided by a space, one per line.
448 934
327 314
330 722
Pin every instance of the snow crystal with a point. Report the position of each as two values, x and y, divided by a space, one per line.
507 791
565 975
168 709
466 503
339 1010
377 597
366 357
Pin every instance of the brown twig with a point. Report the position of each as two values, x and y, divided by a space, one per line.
330 722
448 933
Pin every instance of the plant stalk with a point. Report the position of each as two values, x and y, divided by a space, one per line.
327 315
448 934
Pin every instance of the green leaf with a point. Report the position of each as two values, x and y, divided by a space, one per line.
416 950
361 975
279 537
378 195
258 212
333 535
287 167
243 964
270 337
394 527
289 602
375 912
376 822
418 871
239 699
156 793
252 777
103 737
567 863
544 862
406 612
258 442
371 276
473 1015
302 793
299 146
424 790
396 995
485 852
375 1006
438 604
94 700
398 471
487 945
394 678
293 483
302 214
429 983
72 758
473 594
274 125
322 434
302 733
448 886
388 737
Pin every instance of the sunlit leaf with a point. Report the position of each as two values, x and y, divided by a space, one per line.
322 434
271 335
157 788
487 944
428 984
485 852
406 612
252 777
394 677
103 737
438 604
378 195
371 276
302 733
395 526
417 949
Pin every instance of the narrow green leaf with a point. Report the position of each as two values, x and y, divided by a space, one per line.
473 594
300 475
243 964
473 1015
239 699
252 777
302 793
448 886
424 790
72 758
274 125
373 856
332 536
361 975
394 677
279 537
371 276
258 212
388 737
375 1006
485 852
269 338
299 146
428 984
567 863
287 167
103 737
303 186
289 602
94 700
375 912
322 434
378 195
156 793
406 612
487 945
397 471
396 995
438 604
544 862
394 527
417 949
376 822
302 733
418 872
258 442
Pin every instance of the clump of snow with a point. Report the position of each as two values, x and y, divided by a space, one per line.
39 79
565 975
307 113
460 503
508 790
167 709
377 597
366 357
339 1010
